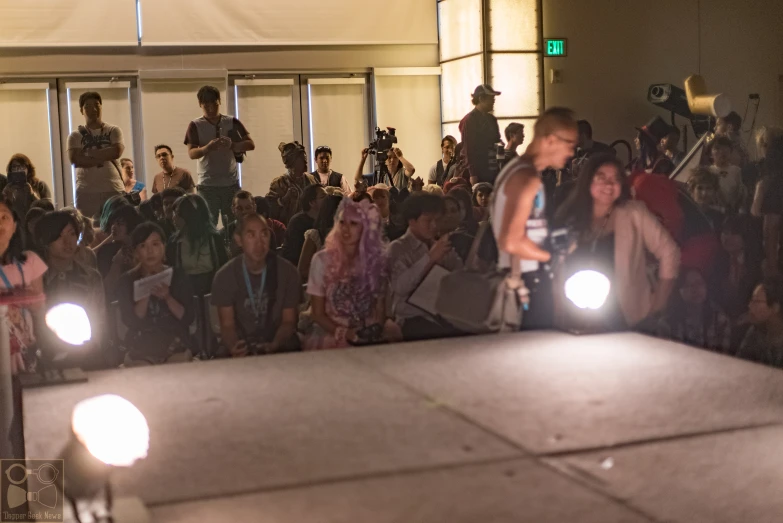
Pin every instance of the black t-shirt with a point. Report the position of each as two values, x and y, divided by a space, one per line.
294 236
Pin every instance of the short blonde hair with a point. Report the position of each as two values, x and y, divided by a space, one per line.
433 189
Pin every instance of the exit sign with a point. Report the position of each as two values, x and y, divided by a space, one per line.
555 47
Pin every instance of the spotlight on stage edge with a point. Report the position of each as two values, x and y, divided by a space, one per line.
587 289
112 429
70 323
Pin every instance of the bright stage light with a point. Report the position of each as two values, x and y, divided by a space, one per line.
70 323
112 429
587 289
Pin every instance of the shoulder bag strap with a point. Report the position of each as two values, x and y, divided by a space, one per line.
470 261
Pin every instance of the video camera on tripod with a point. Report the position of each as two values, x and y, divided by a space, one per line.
380 147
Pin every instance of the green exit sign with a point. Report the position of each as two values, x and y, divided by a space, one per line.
555 47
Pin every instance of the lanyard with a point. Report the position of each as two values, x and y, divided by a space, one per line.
5 279
250 293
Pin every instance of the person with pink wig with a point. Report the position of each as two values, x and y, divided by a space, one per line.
348 282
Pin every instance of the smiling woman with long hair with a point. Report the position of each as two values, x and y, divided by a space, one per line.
348 282
618 233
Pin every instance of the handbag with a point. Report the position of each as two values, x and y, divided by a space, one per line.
478 302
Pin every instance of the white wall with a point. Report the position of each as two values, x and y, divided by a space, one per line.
617 48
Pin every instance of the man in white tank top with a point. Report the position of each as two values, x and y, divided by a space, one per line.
519 203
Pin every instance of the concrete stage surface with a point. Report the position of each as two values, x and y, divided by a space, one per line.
530 427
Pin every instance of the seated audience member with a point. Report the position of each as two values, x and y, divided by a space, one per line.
348 281
586 145
730 127
670 146
400 170
109 206
737 266
417 185
147 211
433 189
314 238
763 343
242 205
158 324
732 191
85 234
753 171
393 224
704 189
46 205
286 190
462 237
257 295
169 198
170 176
156 202
650 159
132 186
22 273
482 192
278 228
196 248
33 216
70 281
620 234
768 204
312 197
116 254
444 168
451 217
515 136
412 257
324 175
456 182
359 196
694 318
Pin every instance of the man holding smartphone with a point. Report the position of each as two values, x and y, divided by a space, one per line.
215 141
93 149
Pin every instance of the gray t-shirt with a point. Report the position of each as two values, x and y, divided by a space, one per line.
105 178
216 168
230 290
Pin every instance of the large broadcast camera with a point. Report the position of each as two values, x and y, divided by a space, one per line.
380 147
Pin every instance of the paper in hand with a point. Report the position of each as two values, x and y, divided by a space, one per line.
143 287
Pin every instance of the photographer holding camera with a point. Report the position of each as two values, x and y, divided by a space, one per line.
398 170
22 186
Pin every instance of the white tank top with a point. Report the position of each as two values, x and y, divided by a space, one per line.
537 227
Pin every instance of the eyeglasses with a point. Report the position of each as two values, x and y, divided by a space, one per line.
323 149
566 140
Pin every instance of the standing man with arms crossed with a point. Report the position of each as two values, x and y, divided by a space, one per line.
93 149
518 209
215 141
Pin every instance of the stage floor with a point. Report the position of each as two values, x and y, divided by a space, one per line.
531 427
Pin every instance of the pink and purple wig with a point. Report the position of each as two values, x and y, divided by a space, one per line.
370 264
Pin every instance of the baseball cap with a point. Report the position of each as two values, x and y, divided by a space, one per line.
485 89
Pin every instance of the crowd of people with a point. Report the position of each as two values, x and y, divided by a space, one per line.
326 261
